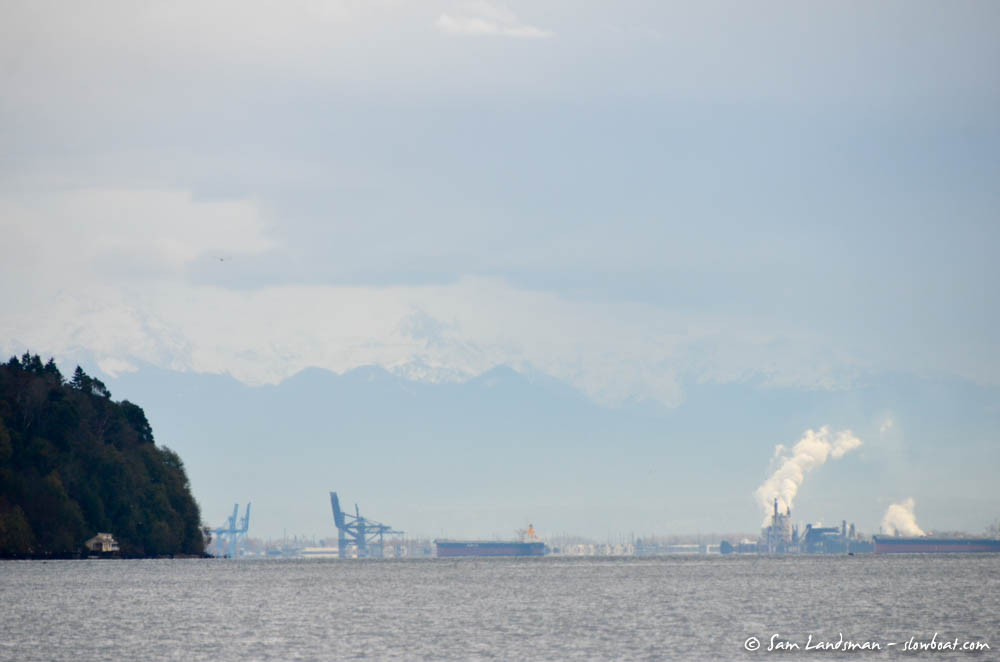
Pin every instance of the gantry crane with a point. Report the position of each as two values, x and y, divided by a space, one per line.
227 537
358 530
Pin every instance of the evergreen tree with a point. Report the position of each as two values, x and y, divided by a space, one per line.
81 381
73 463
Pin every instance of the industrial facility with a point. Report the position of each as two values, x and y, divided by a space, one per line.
361 537
782 537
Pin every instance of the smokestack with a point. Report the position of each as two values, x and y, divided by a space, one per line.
811 451
843 528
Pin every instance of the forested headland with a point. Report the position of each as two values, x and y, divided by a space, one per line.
73 463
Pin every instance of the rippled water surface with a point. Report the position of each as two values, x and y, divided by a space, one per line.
671 608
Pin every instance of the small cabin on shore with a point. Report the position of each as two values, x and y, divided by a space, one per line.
102 543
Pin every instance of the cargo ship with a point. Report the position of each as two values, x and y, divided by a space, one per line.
449 548
529 545
932 545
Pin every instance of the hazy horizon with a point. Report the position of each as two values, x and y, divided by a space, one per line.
485 457
685 235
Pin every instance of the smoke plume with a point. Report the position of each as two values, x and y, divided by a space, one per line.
811 451
900 521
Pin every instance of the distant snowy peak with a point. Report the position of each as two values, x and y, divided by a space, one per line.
435 334
420 371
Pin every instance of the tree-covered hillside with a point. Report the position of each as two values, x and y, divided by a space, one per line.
74 463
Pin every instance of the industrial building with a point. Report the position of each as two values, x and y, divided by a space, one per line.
782 537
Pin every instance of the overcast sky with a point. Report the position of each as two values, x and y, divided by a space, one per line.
625 196
613 194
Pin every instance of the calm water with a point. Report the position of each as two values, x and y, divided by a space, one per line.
518 609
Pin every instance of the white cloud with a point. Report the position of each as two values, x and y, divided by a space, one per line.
114 366
611 352
112 272
74 255
113 53
264 336
483 18
109 271
135 232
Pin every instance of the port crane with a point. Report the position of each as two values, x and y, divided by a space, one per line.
358 530
227 537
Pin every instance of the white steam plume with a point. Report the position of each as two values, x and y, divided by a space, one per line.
811 451
900 521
